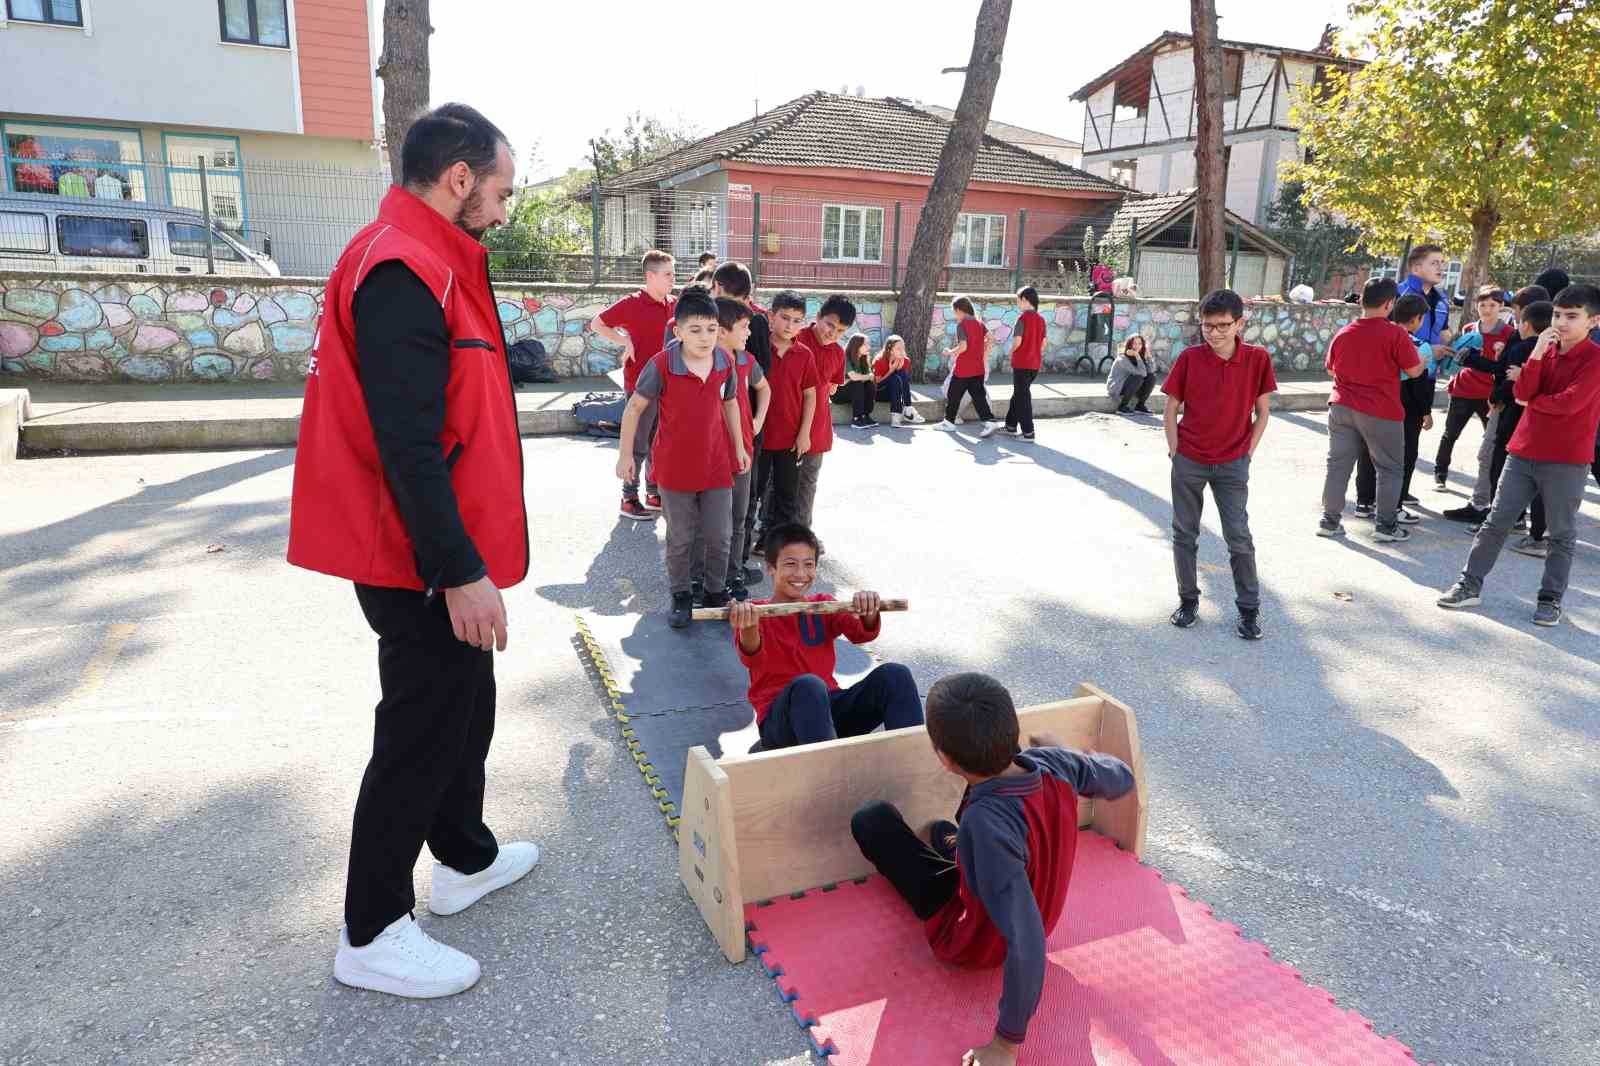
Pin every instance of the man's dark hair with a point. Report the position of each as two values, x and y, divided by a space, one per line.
1584 296
445 136
1538 315
1421 252
1490 292
1410 306
970 717
695 302
1222 302
1529 294
1030 294
785 534
840 307
730 312
789 300
707 257
1553 280
733 279
1378 291
703 277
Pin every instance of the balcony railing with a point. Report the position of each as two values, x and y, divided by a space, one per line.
1170 116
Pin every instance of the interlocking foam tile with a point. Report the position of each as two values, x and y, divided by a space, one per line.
650 668
665 740
1139 975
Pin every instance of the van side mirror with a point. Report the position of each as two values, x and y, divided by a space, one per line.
266 246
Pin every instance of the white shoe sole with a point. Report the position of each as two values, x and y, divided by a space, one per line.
1470 601
349 971
451 903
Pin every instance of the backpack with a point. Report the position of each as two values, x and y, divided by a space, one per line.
599 414
530 364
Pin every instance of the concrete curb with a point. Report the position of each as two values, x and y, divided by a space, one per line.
14 411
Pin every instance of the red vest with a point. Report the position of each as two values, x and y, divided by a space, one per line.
1469 384
342 516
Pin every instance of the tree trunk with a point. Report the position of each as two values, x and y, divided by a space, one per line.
403 67
1210 238
930 248
1485 220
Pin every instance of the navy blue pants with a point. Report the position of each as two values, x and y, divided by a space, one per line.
896 389
805 712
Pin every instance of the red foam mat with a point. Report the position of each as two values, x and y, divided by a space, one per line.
1139 975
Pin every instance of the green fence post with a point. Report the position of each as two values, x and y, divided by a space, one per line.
205 213
1022 228
894 255
755 239
1233 261
594 224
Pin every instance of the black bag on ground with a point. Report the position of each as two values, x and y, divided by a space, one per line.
600 413
529 364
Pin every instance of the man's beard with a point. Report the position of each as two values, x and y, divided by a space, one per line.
470 210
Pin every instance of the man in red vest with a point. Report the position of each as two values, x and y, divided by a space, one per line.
408 482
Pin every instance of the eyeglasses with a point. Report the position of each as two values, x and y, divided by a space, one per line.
1216 327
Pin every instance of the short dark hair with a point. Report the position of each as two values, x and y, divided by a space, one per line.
695 302
1530 294
964 305
445 136
1378 291
1584 296
1422 251
1490 292
1553 280
730 312
789 300
970 717
1030 294
839 307
785 534
1538 315
707 257
1222 302
703 277
733 279
1411 305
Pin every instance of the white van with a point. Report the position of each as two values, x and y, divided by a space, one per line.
64 234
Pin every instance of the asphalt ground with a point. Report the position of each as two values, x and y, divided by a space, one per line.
1399 801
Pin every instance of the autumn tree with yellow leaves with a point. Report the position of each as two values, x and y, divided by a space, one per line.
1474 121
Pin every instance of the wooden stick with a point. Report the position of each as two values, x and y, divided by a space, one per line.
779 610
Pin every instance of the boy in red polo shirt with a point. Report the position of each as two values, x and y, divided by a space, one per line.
1027 355
1479 348
791 657
1224 388
992 888
1549 454
971 355
1364 410
836 315
699 446
796 402
639 323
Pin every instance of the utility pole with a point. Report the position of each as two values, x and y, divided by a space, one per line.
1210 239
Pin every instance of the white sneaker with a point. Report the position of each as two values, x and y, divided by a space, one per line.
897 419
946 425
454 891
987 430
912 416
405 961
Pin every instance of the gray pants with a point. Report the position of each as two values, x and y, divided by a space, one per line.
1561 485
741 504
1230 487
707 514
1385 439
643 437
806 494
1483 490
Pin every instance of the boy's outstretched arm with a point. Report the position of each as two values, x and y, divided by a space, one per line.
993 853
1092 773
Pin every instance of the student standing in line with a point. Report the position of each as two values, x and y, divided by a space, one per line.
796 401
639 323
971 359
1416 397
1224 390
892 372
1550 452
1533 318
1479 349
733 281
1027 356
836 315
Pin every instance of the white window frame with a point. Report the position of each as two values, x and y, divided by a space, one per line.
861 244
1390 267
964 223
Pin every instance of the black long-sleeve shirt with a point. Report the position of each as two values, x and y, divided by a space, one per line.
403 352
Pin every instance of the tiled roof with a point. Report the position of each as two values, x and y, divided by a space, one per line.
1005 131
1150 210
858 133
1173 37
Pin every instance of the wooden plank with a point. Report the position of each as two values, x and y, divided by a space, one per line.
791 808
792 607
1123 820
708 852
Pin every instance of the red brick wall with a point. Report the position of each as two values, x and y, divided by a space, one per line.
335 68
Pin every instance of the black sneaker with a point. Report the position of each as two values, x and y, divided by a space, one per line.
867 421
678 617
754 575
1186 615
1405 517
1249 627
1520 525
1385 534
1330 527
1027 436
1366 510
1548 613
716 599
1458 595
1141 408
1441 484
697 593
1410 500
737 591
1468 513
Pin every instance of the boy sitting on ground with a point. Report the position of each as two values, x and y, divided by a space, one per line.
990 889
791 657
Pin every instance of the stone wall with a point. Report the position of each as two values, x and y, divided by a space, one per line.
177 328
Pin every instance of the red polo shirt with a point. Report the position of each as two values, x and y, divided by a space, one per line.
1470 384
1562 391
1365 359
1217 396
830 370
1029 351
797 644
692 452
789 376
645 321
881 368
969 364
749 374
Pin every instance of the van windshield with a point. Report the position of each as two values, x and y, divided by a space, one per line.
189 239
